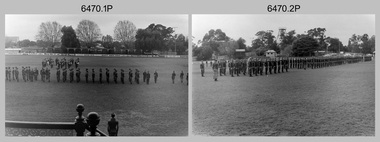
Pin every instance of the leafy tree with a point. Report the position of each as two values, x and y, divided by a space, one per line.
213 38
257 43
41 43
261 51
371 44
287 41
264 41
203 53
319 35
88 32
125 33
305 46
241 43
334 45
107 41
288 50
69 38
178 43
26 43
50 33
154 37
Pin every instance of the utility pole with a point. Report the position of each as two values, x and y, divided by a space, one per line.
175 42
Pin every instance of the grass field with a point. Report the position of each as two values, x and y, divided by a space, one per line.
156 109
333 101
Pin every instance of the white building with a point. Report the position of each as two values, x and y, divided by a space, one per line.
270 53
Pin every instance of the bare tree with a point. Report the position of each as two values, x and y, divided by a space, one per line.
125 32
50 32
88 32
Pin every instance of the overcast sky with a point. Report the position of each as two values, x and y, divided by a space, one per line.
26 26
246 26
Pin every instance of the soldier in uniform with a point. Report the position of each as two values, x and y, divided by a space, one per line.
27 73
122 76
266 66
100 76
78 75
147 77
93 75
86 75
155 76
232 66
22 73
220 67
237 68
304 63
115 76
6 74
57 62
130 74
173 75
275 66
244 67
144 75
64 74
13 73
257 66
77 63
113 126
279 65
42 73
137 76
107 75
287 64
35 74
16 73
224 67
261 66
181 75
58 74
215 69
250 67
202 66
71 75
47 74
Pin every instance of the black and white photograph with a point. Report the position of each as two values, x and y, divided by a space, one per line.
283 75
96 75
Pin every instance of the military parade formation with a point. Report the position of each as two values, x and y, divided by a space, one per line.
69 71
266 66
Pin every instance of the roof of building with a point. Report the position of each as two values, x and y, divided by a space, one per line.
270 51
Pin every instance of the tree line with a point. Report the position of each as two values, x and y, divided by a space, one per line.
126 36
287 44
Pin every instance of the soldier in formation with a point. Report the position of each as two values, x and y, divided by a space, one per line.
181 75
122 76
130 76
173 76
147 77
155 76
202 66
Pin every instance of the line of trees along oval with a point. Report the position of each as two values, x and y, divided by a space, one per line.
126 36
288 44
